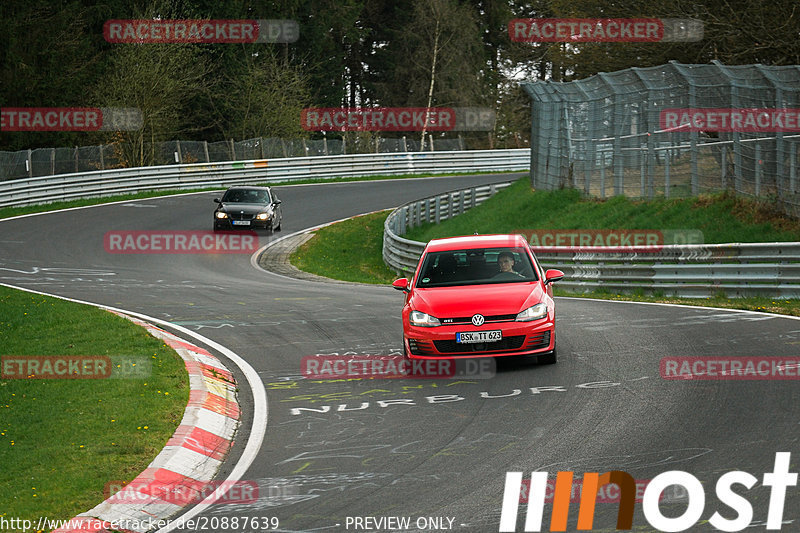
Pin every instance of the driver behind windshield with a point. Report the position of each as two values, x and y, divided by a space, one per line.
505 261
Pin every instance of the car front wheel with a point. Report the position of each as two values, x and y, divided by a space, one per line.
548 358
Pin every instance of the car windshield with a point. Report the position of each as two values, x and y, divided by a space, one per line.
477 266
245 196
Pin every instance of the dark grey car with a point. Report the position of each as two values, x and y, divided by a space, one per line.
248 207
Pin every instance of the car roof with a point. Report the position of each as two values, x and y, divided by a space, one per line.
476 241
252 187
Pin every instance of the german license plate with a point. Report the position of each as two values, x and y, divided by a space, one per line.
466 337
241 222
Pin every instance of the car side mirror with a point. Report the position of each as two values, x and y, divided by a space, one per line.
217 201
277 202
401 284
553 275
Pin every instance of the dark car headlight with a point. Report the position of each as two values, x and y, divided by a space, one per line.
535 312
264 216
221 214
418 318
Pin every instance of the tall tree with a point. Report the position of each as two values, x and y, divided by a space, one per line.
263 97
162 81
735 32
739 32
49 57
447 30
328 49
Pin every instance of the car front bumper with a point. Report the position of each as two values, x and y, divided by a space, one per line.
519 338
226 224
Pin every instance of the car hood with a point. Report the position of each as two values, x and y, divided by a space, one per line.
237 207
490 299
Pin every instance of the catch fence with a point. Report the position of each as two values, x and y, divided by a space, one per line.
610 134
66 160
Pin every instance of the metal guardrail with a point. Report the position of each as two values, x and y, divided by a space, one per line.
688 270
691 270
403 254
199 175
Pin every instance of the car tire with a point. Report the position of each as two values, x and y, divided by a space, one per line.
548 358
278 227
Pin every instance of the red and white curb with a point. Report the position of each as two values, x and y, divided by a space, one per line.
180 474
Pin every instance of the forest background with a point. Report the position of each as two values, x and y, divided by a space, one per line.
390 53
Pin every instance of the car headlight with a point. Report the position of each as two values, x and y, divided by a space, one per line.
221 214
535 312
418 318
263 216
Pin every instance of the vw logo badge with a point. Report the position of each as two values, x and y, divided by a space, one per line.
477 320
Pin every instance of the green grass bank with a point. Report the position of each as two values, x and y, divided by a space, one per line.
63 440
721 218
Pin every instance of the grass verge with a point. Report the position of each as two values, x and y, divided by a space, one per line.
518 208
350 251
63 440
720 217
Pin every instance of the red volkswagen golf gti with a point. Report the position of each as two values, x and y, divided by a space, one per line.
479 296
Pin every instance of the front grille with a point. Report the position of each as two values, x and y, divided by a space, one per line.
487 318
241 216
507 344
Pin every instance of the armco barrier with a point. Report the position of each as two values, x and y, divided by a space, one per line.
199 175
693 270
402 254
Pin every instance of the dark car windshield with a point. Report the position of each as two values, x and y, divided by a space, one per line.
246 196
476 267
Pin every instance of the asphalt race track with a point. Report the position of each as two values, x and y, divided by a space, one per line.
436 450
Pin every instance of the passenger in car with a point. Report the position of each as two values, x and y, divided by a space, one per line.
446 269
